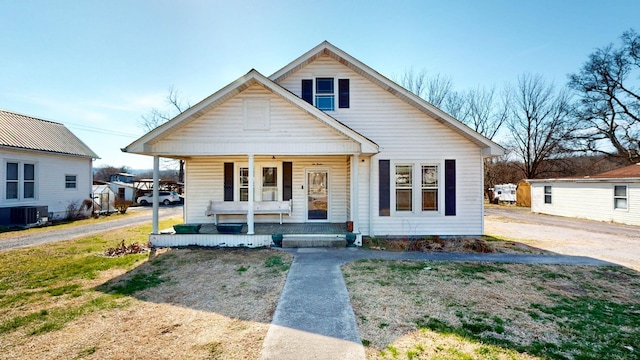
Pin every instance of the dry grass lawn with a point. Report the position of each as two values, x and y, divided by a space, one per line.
446 310
193 304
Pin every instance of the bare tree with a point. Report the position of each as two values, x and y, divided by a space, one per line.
609 104
485 113
540 124
434 88
157 117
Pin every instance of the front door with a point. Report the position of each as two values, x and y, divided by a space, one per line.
317 195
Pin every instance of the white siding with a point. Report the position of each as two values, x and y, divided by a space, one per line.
204 182
50 180
587 200
291 131
405 134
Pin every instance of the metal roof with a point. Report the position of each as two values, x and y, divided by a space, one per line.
631 171
29 133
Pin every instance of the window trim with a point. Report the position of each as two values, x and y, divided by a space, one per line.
74 182
416 188
257 182
340 95
20 181
548 194
624 197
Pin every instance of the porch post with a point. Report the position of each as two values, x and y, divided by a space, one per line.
156 192
355 201
250 220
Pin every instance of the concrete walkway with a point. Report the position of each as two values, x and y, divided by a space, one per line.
314 318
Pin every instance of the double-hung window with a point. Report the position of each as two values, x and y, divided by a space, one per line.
325 97
270 184
20 182
429 188
244 184
417 187
70 181
620 197
547 194
404 187
322 93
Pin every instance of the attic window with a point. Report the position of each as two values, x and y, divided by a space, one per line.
256 114
322 93
325 98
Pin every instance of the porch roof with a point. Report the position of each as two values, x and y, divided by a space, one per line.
147 144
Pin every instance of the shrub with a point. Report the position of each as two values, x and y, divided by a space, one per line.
122 205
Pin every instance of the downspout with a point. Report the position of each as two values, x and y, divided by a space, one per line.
156 193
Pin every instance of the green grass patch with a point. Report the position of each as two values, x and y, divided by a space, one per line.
276 263
40 277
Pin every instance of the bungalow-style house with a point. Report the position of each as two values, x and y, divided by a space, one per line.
612 196
45 169
325 140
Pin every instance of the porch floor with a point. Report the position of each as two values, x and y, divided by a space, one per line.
285 229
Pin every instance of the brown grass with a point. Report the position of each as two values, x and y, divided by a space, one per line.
483 244
212 304
391 299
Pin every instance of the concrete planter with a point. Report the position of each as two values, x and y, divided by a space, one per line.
187 228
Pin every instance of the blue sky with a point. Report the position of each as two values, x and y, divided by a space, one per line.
98 66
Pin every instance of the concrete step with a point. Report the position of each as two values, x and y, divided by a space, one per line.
304 241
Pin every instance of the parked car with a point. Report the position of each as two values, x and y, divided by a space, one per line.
164 197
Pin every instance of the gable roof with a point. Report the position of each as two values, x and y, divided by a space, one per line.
26 132
489 147
631 171
253 77
627 173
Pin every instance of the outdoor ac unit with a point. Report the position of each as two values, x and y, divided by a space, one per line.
27 215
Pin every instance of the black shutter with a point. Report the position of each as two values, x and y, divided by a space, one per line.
384 188
307 91
287 180
449 187
343 93
228 181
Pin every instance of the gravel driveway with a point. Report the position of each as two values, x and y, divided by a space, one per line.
138 216
615 243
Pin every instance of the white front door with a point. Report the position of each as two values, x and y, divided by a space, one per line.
317 195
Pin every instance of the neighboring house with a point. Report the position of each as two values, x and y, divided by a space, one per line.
122 177
45 169
612 196
338 140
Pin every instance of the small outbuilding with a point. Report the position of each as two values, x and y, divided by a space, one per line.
612 196
103 200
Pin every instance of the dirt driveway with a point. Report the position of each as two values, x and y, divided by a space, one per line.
615 243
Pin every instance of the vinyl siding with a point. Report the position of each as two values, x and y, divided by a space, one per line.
405 134
206 175
585 200
291 131
50 180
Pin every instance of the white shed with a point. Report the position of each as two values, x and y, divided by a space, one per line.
612 196
103 200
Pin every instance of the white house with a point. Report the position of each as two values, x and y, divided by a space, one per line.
335 139
612 196
45 169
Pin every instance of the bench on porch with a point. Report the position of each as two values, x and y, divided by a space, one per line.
216 208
